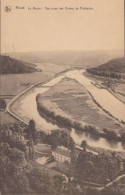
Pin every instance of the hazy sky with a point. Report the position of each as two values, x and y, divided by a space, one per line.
98 29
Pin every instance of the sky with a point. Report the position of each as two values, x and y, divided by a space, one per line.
101 28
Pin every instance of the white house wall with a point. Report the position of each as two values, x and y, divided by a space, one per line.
60 158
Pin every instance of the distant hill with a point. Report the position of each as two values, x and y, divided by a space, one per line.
114 68
115 65
83 58
12 66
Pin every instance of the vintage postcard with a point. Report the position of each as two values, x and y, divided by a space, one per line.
62 97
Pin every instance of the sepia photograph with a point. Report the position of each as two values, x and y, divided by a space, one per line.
62 97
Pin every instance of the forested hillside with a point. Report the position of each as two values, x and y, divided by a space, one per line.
20 174
114 68
12 66
76 58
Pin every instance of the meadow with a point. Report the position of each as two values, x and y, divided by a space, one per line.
71 100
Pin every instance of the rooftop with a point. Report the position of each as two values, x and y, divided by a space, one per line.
63 151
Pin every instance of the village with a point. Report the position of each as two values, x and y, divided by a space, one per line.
57 156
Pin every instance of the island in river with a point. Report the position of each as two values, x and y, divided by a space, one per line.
21 107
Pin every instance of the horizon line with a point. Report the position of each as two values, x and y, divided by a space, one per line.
67 50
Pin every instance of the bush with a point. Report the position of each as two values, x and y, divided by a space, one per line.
2 103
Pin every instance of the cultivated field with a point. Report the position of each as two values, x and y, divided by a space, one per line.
70 99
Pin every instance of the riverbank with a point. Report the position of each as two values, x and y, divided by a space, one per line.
106 151
71 100
22 106
20 88
115 86
68 123
13 106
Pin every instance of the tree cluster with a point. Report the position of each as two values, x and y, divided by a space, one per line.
2 103
61 138
20 174
100 168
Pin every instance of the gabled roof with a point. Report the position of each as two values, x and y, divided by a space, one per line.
63 152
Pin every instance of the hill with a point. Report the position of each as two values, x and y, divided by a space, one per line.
81 58
12 66
114 68
115 65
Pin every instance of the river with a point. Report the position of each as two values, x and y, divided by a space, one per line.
27 108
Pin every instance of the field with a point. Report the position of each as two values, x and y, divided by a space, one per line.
69 99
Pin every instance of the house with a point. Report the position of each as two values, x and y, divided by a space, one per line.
62 154
78 149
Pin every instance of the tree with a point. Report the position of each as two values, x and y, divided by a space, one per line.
2 103
91 191
83 145
31 135
58 182
71 144
61 138
30 144
113 154
111 135
123 138
32 124
31 132
54 139
70 188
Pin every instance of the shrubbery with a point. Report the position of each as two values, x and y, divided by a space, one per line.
20 176
2 103
63 122
98 169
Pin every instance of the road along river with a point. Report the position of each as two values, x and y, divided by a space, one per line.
24 107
